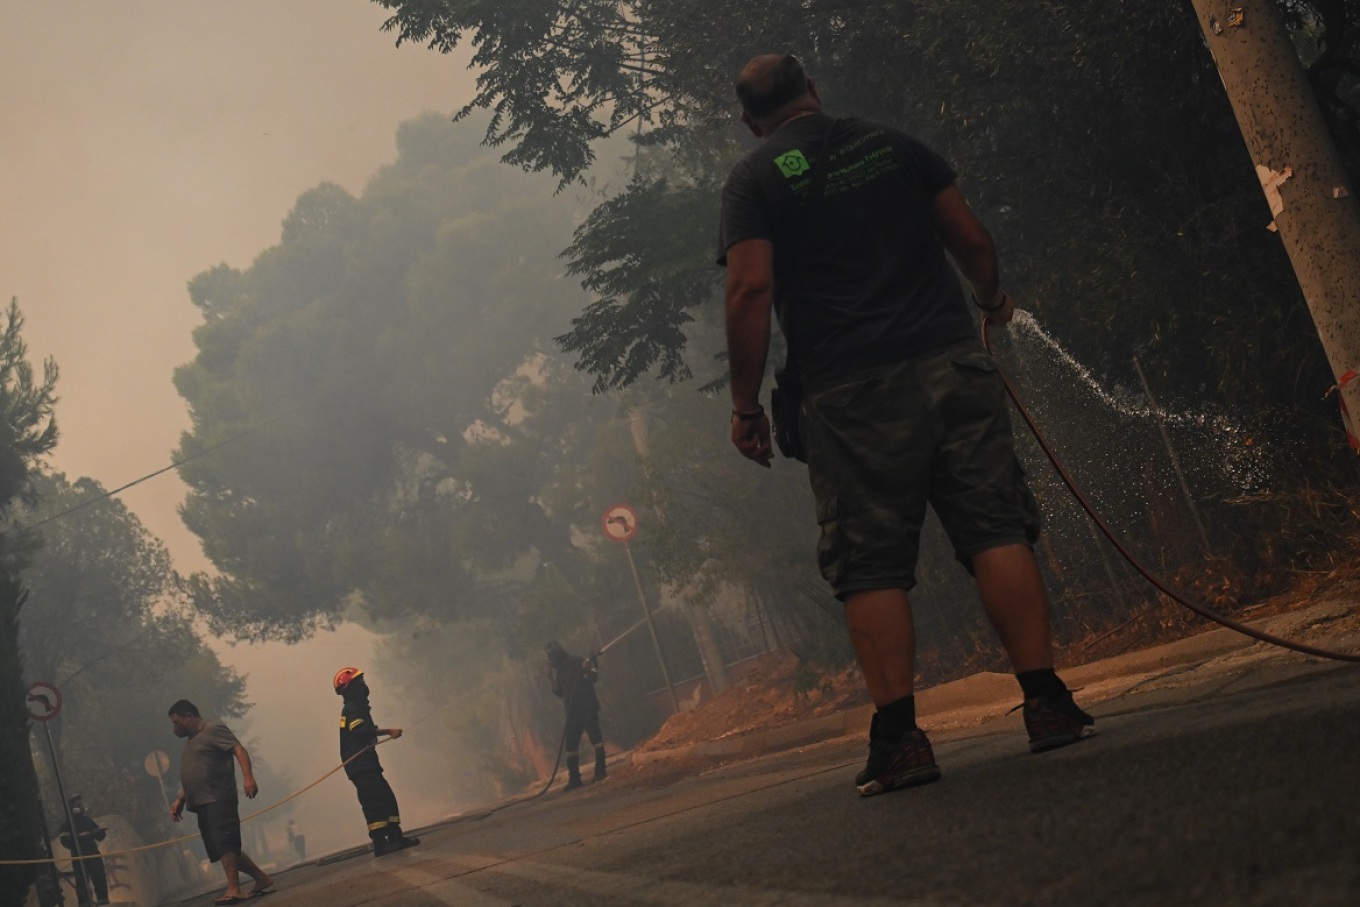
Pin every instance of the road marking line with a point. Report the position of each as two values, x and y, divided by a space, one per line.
445 889
645 890
633 888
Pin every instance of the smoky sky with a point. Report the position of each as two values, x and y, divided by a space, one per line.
142 143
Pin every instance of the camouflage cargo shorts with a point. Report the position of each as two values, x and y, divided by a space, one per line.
885 442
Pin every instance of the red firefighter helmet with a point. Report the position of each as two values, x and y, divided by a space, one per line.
345 676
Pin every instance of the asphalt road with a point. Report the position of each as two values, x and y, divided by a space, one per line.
1239 788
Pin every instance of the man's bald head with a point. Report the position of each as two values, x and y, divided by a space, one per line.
772 86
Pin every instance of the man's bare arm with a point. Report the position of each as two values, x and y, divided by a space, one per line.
750 301
247 775
971 246
177 807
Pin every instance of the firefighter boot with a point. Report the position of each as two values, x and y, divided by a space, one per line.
392 840
600 773
573 772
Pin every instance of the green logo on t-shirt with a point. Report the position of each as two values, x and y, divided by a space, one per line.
792 163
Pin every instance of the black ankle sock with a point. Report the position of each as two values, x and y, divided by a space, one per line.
897 718
1043 682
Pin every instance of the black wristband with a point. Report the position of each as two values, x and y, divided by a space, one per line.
754 414
996 308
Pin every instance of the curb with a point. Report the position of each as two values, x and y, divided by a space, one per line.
977 691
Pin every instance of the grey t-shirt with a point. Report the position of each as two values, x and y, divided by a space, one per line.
207 768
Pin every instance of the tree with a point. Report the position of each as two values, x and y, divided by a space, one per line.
408 444
1100 149
375 365
106 623
27 432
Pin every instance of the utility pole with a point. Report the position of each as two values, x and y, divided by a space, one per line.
1313 205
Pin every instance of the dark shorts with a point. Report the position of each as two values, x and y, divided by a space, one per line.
885 442
220 825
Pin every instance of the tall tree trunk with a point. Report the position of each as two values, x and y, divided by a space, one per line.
1313 206
20 827
709 652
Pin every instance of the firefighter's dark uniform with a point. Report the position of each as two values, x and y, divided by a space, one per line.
573 681
88 834
357 731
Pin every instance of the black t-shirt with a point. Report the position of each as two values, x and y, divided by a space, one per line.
874 284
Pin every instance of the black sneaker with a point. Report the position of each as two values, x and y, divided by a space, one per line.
1054 721
865 774
573 783
893 766
383 848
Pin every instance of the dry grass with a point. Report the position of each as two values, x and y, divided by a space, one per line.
769 696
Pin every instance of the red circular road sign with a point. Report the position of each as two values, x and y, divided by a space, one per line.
619 522
43 701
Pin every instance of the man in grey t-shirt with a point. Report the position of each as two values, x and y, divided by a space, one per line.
208 779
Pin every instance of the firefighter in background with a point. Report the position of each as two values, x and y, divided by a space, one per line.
298 840
358 739
573 681
86 844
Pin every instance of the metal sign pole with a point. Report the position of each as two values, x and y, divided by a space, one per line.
651 628
160 780
156 763
77 864
52 872
620 523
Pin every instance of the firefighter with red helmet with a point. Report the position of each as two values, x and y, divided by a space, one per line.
358 741
573 681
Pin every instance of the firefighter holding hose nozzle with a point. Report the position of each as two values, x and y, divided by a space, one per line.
573 681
